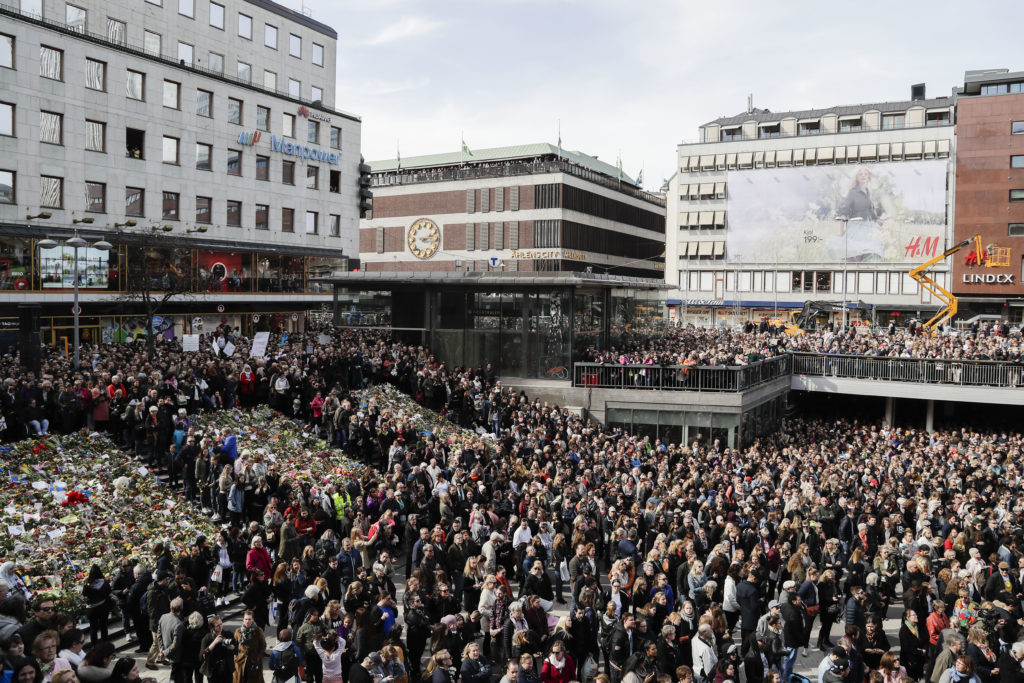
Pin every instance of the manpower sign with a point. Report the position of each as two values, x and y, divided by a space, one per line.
285 146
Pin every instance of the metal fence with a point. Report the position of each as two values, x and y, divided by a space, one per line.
679 377
925 371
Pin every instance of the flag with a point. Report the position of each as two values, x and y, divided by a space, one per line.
465 148
398 152
619 165
559 143
640 178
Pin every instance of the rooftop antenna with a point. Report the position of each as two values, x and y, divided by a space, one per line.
306 11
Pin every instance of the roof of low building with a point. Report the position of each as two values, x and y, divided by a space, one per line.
498 154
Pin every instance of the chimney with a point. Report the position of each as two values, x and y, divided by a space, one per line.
750 103
917 92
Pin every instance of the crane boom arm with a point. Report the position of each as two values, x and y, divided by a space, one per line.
920 274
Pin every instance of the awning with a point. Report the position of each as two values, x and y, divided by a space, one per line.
944 147
851 152
929 147
706 218
883 150
719 219
719 160
745 159
730 159
693 219
769 156
840 153
707 161
758 158
705 249
692 248
798 156
684 219
719 189
809 155
897 149
719 248
706 189
684 191
867 151
694 163
913 149
785 156
824 153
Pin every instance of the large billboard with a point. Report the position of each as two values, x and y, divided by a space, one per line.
896 213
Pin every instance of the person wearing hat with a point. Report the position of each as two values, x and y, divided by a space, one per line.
1002 585
793 615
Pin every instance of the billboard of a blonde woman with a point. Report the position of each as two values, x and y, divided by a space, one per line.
858 213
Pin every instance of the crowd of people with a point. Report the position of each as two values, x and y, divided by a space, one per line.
691 345
552 550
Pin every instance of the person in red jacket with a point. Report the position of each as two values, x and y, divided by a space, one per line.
558 667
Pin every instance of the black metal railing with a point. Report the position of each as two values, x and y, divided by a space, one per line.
722 378
974 373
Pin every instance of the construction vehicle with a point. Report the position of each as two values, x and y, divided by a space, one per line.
920 273
814 314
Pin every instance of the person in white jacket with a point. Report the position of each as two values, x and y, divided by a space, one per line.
704 658
730 605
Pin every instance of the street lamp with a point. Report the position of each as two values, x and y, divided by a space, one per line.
846 258
88 219
76 242
198 228
42 215
131 223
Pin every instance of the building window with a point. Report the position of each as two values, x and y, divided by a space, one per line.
1017 195
808 128
1017 161
75 18
185 53
171 149
245 26
262 217
95 136
216 15
51 63
294 88
262 118
244 72
318 54
203 208
335 138
96 197
335 225
312 177
135 143
204 156
95 75
136 85
772 131
317 94
288 125
294 45
312 222
187 8
51 128
234 162
730 134
262 167
234 214
1003 88
313 131
893 121
850 125
6 119
216 63
204 103
51 192
117 31
170 206
287 220
936 118
234 111
288 172
270 36
1017 128
1015 229
32 8
269 80
7 194
334 184
6 51
172 95
134 201
151 43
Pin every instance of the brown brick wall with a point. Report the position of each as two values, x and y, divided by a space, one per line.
983 183
420 204
394 239
526 233
429 265
367 240
453 236
525 197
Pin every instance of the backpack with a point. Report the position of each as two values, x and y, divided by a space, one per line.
285 663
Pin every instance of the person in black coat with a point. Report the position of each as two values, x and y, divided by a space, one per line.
96 594
756 661
913 644
748 595
1010 665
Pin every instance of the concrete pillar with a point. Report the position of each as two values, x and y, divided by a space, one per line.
929 420
890 410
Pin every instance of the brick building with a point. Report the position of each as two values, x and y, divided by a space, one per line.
523 208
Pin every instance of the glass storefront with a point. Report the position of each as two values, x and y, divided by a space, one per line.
671 426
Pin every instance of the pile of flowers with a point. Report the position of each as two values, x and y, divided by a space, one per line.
73 501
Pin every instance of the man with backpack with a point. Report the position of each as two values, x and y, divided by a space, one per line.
285 658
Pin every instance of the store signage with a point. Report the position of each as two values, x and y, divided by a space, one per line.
988 278
549 253
249 138
302 151
316 116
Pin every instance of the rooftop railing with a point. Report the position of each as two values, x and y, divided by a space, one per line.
718 378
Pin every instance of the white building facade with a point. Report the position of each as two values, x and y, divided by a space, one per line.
213 122
769 210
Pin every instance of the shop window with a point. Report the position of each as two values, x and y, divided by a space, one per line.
15 255
57 268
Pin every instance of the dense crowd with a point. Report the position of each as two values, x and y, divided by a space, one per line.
690 345
676 562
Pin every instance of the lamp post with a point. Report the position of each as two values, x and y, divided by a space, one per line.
76 242
846 259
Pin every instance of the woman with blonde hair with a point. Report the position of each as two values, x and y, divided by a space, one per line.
437 667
